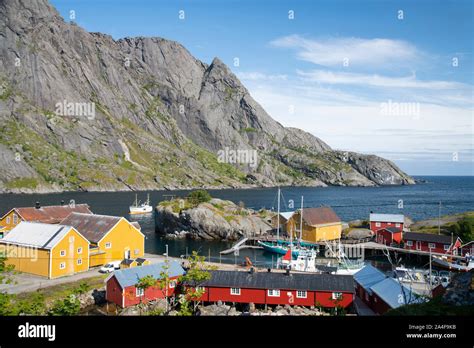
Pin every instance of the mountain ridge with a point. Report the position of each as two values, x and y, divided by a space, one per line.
161 116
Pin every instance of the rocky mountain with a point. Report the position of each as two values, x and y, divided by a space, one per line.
82 111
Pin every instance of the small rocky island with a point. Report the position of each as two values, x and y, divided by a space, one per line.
199 216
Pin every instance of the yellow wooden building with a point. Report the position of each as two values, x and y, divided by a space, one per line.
46 250
51 214
112 238
319 224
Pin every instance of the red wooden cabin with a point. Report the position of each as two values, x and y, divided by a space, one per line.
121 285
437 243
388 235
279 288
378 221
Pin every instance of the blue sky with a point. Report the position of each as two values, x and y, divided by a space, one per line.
361 75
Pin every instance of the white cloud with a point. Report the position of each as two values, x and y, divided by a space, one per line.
324 76
258 76
332 52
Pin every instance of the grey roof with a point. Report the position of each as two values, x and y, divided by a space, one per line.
392 229
394 294
399 218
368 276
131 276
127 261
428 237
279 280
35 234
93 227
140 260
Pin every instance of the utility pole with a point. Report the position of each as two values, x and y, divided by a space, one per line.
439 218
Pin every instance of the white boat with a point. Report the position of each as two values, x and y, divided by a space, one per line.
141 208
450 264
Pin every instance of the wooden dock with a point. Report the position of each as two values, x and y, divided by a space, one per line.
366 243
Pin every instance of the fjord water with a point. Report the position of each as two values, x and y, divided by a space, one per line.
419 202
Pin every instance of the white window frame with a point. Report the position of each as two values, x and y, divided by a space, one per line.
108 245
172 284
446 247
62 265
139 292
15 219
62 253
8 220
273 293
378 224
136 251
200 288
301 294
235 291
389 224
336 295
409 243
397 225
431 245
71 239
79 250
79 262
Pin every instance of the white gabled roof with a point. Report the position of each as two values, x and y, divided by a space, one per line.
387 218
287 214
34 234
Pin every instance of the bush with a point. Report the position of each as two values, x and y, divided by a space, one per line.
68 306
199 196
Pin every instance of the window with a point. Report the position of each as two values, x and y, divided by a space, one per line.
71 239
79 250
390 224
446 247
366 296
15 219
431 245
8 220
79 261
62 265
136 251
140 292
273 293
200 288
172 284
377 224
375 299
336 295
108 245
62 253
409 243
397 225
301 294
234 291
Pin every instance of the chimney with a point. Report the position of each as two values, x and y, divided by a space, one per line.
37 205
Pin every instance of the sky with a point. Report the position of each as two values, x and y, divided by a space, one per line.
391 78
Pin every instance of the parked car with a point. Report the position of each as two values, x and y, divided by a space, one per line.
110 267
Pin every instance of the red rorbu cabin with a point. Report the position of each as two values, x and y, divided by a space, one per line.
279 288
388 235
379 221
437 243
121 286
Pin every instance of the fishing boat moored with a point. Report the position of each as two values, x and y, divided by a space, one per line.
141 208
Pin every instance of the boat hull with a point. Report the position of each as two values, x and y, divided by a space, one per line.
276 249
452 266
140 210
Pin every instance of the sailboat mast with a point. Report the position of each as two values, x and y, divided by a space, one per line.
301 220
278 216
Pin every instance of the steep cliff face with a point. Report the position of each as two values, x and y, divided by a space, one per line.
81 111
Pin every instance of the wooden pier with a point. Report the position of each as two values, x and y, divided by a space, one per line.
366 244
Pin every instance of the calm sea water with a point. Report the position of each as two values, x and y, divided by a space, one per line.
420 201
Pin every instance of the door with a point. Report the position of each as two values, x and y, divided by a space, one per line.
380 238
418 245
127 254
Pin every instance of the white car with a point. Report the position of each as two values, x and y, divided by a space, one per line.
110 267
